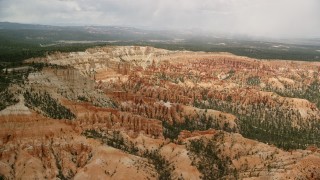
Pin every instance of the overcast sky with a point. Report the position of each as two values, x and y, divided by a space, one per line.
272 18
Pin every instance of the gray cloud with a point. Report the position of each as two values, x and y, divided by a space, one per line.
275 18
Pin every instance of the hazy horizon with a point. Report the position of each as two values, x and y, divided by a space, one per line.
263 18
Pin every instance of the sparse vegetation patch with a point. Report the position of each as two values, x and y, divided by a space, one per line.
46 104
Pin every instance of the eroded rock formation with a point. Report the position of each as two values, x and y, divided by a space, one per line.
147 113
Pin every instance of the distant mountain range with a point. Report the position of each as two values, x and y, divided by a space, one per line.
20 41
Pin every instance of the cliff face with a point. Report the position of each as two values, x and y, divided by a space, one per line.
67 82
147 113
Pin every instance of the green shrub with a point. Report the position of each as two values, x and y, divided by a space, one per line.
49 106
253 81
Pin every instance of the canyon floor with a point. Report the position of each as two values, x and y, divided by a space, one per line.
130 112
